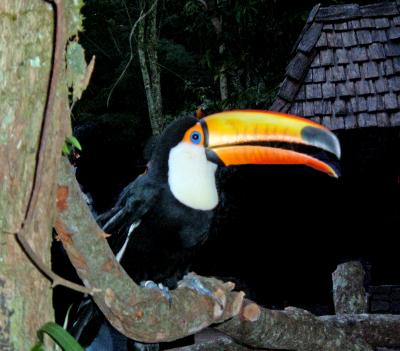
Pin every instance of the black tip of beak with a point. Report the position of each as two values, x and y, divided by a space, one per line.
322 139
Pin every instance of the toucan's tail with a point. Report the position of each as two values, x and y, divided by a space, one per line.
93 331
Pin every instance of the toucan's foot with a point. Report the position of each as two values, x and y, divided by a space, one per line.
191 281
149 284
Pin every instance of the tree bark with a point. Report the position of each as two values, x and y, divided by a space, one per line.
147 46
290 329
33 124
348 289
211 7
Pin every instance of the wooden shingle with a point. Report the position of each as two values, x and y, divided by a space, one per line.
337 123
396 21
328 90
362 87
288 89
379 36
389 69
381 85
349 38
396 64
345 89
350 122
337 74
370 70
390 101
313 91
394 33
376 51
318 75
361 104
364 37
395 119
339 107
298 66
382 22
353 71
310 38
367 23
382 119
394 83
358 54
341 56
392 49
326 57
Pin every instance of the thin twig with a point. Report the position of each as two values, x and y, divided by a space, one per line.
55 278
141 18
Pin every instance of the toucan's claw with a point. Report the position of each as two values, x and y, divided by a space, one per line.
149 284
192 282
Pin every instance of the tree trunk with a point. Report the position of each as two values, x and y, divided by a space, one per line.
31 136
147 46
211 7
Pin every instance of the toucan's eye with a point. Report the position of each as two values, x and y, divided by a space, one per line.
195 137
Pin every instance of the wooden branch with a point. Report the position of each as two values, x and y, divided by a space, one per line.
375 329
46 271
348 288
141 314
290 329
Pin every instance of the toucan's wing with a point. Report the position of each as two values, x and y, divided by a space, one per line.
134 201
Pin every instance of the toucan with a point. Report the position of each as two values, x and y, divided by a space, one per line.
164 216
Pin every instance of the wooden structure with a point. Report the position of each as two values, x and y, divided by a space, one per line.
345 70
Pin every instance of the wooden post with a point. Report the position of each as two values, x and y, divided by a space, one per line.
348 288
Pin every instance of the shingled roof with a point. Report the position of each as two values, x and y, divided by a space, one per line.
345 71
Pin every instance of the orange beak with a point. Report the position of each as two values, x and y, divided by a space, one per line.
264 137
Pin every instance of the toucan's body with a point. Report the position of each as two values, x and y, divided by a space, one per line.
163 216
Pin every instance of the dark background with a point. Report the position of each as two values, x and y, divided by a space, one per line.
279 231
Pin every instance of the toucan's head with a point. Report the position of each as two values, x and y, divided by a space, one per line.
190 150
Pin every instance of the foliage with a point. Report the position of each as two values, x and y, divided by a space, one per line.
60 336
70 144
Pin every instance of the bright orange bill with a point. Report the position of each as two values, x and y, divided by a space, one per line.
237 155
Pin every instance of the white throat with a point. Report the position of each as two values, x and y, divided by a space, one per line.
191 177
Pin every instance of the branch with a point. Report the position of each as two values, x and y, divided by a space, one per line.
55 278
141 314
292 328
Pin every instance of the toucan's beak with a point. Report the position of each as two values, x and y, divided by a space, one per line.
263 137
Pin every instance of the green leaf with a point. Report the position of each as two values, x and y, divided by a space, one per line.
74 141
66 150
60 336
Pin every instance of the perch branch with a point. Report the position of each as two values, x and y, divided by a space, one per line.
141 314
290 329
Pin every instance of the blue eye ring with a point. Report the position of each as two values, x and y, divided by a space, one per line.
195 137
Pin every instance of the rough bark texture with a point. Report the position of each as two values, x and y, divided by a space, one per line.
375 329
147 46
141 314
290 329
348 288
32 131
